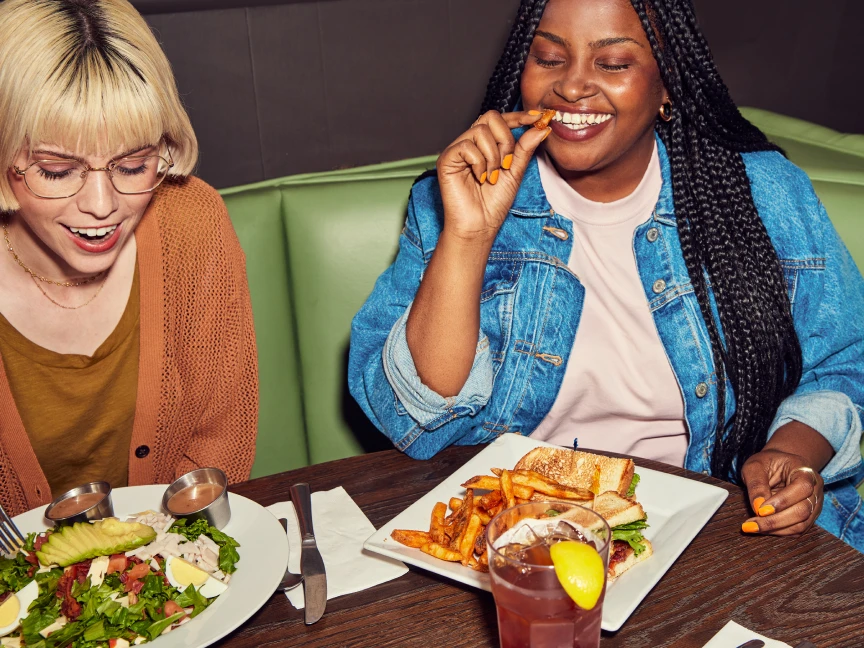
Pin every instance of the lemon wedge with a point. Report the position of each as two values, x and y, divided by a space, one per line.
580 571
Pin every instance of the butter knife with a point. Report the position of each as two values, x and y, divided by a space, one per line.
311 564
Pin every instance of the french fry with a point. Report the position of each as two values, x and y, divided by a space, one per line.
495 510
436 528
410 538
480 543
541 484
519 500
483 482
484 516
507 488
543 122
466 545
461 518
455 503
490 499
442 553
497 471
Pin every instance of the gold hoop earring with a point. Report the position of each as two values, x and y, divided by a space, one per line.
666 111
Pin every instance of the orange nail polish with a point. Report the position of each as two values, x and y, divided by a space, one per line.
758 502
507 161
750 527
493 177
766 510
483 178
533 112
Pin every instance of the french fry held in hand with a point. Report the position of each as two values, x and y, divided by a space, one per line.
441 553
409 538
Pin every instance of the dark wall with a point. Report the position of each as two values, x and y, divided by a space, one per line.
312 85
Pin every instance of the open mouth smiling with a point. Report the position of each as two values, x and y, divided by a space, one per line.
92 233
580 121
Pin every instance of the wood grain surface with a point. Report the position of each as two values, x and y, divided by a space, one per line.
790 589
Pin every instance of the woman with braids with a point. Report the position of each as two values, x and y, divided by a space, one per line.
648 275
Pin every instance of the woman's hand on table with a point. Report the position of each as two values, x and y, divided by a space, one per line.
480 173
783 482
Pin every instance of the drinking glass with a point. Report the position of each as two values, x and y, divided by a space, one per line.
534 611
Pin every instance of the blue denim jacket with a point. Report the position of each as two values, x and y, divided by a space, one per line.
530 308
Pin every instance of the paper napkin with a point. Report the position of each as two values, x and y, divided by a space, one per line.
340 528
733 635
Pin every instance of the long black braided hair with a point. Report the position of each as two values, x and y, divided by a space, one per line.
724 242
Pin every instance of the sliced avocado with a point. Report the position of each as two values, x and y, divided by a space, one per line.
83 541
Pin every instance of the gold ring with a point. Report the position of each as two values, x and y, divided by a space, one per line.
805 469
814 503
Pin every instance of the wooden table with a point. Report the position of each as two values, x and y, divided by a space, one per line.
788 588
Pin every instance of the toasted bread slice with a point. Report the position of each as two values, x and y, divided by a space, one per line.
623 558
617 510
580 469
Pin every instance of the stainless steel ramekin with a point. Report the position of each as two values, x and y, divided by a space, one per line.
101 509
218 512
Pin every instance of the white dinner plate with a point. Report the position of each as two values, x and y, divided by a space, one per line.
263 557
677 510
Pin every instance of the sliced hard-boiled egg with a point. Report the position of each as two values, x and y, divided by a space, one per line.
181 574
14 608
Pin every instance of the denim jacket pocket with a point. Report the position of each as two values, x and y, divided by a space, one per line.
497 303
793 270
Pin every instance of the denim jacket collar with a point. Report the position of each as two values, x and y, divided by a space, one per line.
531 199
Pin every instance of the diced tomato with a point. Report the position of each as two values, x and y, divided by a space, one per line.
138 571
117 563
40 540
118 643
172 608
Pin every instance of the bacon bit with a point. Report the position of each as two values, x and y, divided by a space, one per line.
619 551
70 608
31 558
133 586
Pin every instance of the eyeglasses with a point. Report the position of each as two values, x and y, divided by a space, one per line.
61 178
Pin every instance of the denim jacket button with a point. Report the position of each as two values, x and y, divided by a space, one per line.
659 286
652 234
701 390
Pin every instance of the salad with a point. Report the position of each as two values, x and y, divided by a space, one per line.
167 573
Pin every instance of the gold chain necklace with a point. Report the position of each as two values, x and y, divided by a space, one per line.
56 303
66 284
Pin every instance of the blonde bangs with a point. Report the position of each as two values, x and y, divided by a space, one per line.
88 100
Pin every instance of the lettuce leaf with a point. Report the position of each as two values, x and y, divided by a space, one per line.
631 533
633 484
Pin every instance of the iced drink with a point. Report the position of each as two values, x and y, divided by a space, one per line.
534 610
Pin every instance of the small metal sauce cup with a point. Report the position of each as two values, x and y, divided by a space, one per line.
218 512
101 509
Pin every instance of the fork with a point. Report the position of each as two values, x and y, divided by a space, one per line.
11 539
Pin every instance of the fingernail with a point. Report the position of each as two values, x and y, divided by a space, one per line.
493 177
483 178
766 510
750 527
548 132
534 112
758 502
507 161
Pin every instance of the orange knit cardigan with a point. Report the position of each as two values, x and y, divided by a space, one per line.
197 402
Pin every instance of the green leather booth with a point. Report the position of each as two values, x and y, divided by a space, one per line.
315 243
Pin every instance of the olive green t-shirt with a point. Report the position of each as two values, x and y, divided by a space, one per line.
78 410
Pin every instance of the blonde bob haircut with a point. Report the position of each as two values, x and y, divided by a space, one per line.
87 75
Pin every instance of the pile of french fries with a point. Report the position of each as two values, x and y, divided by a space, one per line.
461 535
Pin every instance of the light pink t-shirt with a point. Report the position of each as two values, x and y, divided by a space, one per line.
619 392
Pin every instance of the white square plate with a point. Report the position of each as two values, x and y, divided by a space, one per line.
677 510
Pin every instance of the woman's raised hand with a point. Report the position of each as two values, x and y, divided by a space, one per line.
480 173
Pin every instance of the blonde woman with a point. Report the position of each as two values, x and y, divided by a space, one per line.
125 323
